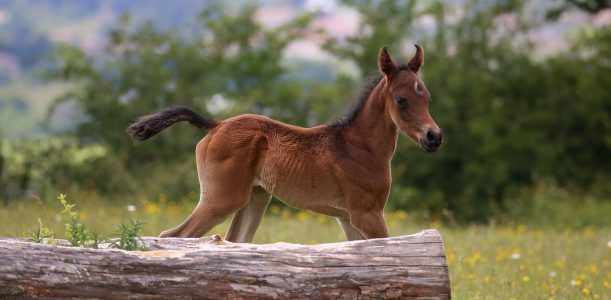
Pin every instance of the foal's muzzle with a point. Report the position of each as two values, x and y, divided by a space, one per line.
432 140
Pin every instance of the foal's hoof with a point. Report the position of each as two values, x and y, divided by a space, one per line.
166 234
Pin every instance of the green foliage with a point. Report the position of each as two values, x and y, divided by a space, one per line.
480 98
76 232
94 239
129 236
381 25
40 233
43 164
226 54
78 235
510 119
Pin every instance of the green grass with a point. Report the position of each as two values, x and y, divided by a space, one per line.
486 262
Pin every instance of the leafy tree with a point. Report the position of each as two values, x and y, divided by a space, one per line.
574 112
509 120
226 57
386 22
504 114
588 6
145 69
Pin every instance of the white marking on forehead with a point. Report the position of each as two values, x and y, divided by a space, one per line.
417 88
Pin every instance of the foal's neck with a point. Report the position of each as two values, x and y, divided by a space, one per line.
373 129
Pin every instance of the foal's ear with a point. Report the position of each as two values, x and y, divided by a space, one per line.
385 63
417 61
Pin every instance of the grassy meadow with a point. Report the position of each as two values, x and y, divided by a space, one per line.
486 262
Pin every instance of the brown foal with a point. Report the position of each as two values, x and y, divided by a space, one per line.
341 170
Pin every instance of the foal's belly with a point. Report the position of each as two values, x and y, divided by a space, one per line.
325 206
303 184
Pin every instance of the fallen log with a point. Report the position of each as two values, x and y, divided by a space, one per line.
412 266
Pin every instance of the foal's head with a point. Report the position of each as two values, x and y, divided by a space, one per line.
407 100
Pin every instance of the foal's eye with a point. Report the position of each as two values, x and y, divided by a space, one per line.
401 102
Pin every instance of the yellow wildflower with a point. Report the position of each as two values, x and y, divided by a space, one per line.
501 254
474 258
585 291
321 219
303 215
174 209
400 214
152 208
285 214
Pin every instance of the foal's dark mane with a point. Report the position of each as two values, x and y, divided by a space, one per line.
357 105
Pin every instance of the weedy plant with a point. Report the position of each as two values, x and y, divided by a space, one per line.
78 235
129 236
76 231
41 233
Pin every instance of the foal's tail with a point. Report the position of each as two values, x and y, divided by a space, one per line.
148 126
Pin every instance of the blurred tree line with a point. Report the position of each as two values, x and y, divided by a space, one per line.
510 120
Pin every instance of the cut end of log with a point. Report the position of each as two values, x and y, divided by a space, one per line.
412 266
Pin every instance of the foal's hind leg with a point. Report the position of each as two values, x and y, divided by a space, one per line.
212 209
225 188
247 219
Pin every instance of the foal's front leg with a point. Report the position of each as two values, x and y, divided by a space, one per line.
349 230
370 223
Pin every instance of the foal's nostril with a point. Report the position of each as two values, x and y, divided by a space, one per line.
432 140
430 135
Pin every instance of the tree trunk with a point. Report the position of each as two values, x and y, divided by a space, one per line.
412 266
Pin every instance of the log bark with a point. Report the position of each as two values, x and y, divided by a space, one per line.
412 267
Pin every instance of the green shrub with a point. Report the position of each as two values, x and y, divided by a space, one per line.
129 236
76 231
40 233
